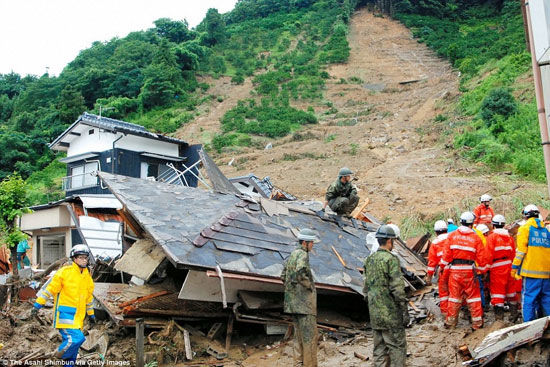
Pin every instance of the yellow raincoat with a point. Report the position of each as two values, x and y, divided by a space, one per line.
532 259
72 291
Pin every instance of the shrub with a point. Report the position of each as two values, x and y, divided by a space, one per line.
499 102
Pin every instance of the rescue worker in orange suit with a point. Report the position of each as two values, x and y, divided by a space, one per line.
483 212
463 255
434 264
72 289
501 249
532 262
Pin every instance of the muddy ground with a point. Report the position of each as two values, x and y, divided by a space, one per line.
428 343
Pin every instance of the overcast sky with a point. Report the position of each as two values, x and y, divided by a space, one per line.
36 34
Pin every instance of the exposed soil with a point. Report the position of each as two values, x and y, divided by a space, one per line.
384 131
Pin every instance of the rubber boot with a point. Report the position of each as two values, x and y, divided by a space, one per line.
514 313
499 313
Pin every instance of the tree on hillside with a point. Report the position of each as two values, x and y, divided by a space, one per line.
70 104
13 203
214 26
174 31
163 78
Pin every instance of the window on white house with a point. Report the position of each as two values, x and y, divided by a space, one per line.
153 169
81 176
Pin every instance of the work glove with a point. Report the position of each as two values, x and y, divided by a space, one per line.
428 279
514 274
91 320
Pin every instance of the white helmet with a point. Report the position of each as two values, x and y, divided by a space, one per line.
440 226
395 229
531 211
485 197
482 228
467 218
79 250
499 220
450 221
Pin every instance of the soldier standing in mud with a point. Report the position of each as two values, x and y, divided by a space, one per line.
301 300
385 293
341 195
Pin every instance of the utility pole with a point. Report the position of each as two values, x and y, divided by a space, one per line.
541 20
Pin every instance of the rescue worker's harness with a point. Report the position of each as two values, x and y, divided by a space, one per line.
462 262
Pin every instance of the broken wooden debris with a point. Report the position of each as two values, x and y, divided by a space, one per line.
214 330
56 264
506 339
360 356
229 332
140 362
464 352
187 341
339 257
141 259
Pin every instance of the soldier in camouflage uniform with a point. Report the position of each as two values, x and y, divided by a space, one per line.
385 293
301 300
341 195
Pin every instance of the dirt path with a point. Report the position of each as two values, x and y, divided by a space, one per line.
384 129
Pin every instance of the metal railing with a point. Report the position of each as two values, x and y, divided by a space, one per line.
82 180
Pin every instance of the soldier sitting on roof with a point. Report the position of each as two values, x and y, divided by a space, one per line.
341 195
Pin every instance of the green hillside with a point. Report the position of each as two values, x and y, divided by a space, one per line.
150 78
495 121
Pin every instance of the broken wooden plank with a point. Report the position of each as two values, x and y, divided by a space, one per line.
51 268
214 330
141 259
411 303
339 257
229 333
142 298
139 342
187 341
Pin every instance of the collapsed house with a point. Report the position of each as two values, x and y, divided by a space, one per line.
200 251
92 219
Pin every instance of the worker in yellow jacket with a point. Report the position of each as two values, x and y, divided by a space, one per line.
71 288
532 262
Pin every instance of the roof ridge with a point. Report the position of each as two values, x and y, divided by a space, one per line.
108 119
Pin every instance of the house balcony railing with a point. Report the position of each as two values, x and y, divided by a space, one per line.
80 181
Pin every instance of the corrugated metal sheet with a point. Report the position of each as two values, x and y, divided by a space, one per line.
103 238
100 201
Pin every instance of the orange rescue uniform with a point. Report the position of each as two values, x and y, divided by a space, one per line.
463 255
